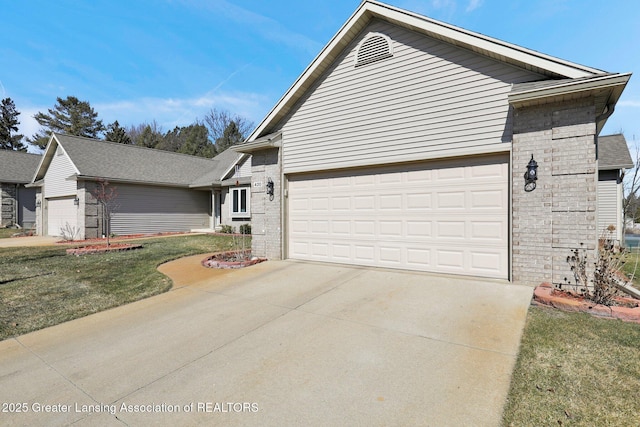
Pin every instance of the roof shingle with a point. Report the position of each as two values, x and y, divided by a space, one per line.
613 153
18 167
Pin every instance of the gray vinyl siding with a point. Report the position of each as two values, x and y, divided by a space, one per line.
56 182
609 205
244 169
26 207
149 209
429 100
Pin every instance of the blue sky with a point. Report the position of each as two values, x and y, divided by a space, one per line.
172 61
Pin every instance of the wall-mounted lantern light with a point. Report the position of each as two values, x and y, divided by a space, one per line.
76 201
270 188
531 175
38 204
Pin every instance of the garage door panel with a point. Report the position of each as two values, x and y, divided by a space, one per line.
62 213
449 217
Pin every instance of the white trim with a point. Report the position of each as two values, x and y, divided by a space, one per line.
388 53
570 87
235 163
232 193
495 48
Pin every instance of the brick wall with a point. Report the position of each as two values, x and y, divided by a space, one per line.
560 214
8 205
90 212
266 214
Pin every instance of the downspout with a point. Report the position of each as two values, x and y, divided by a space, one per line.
15 207
609 109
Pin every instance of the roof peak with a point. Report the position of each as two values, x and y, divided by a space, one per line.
480 44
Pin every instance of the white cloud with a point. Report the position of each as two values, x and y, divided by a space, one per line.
267 27
473 5
629 103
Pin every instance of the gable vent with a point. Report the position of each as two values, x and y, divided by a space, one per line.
374 47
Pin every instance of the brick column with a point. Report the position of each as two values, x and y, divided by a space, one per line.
89 213
266 213
560 214
8 205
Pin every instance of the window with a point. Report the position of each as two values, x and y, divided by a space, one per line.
240 202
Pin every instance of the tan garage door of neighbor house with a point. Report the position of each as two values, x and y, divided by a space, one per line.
446 216
61 212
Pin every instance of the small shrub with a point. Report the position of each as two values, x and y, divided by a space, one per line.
69 232
603 287
227 229
245 229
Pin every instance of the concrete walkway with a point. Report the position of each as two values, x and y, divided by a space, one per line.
277 344
15 242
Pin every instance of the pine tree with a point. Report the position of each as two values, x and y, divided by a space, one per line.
116 133
8 125
230 136
69 116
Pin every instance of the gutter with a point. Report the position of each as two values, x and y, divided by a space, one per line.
571 87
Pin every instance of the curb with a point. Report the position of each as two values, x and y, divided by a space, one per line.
544 295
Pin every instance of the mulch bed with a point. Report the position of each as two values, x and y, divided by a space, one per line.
231 259
627 309
95 249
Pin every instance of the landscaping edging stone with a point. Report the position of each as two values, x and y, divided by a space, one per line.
543 294
85 250
219 260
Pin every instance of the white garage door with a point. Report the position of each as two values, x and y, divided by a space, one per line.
61 212
446 216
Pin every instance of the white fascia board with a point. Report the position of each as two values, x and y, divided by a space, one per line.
238 159
571 87
482 42
49 152
310 70
268 141
435 28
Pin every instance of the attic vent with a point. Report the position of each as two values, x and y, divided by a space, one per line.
374 47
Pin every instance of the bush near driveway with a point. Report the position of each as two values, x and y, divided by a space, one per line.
575 370
44 286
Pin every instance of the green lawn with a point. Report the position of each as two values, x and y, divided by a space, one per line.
631 266
7 232
575 370
44 286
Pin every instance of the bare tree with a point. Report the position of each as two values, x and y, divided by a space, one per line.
631 188
106 196
219 123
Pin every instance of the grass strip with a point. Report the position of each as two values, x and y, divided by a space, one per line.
43 286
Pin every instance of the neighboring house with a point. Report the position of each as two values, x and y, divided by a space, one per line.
157 191
18 203
230 181
613 159
405 142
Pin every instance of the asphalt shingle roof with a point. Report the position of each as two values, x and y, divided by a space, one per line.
613 153
224 161
18 167
122 162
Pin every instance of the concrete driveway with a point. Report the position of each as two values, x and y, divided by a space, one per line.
281 343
